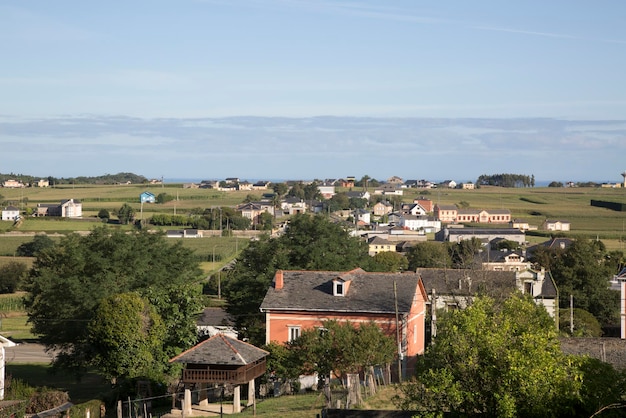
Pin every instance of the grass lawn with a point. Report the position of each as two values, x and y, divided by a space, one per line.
311 404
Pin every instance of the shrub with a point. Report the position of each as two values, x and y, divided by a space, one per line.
44 399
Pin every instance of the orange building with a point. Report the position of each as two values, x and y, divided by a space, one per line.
301 300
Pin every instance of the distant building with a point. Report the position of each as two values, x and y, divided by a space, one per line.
147 197
10 213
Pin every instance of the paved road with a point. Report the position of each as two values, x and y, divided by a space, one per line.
27 353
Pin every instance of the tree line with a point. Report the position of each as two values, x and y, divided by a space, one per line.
506 180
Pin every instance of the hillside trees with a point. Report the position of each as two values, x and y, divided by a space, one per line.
496 360
583 270
69 281
309 243
506 180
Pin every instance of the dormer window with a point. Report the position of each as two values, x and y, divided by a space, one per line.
339 288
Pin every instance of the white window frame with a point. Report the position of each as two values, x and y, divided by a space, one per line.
294 332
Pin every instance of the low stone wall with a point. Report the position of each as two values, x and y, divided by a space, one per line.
609 350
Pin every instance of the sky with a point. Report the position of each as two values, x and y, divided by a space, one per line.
304 89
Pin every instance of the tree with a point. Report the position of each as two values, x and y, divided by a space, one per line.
125 336
11 276
104 215
585 324
39 243
342 348
429 255
495 360
163 198
390 261
68 282
126 214
583 271
266 221
280 189
311 242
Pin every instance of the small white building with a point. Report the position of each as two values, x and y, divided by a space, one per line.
10 213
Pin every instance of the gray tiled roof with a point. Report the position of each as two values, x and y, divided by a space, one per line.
548 289
498 284
221 349
368 292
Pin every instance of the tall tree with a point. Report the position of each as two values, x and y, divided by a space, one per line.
126 214
126 337
429 254
390 261
495 360
69 281
583 270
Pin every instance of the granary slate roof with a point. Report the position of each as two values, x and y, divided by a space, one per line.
462 282
223 350
367 292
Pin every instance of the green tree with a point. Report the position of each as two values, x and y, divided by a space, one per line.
266 221
390 261
462 253
126 336
126 214
104 215
39 243
163 198
585 324
429 255
339 201
310 243
495 360
342 348
11 276
280 189
68 282
311 191
583 271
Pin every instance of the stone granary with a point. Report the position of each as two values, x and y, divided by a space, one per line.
220 360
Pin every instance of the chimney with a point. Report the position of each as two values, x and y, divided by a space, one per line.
278 280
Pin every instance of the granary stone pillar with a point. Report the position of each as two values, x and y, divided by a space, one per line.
203 395
251 391
187 403
237 399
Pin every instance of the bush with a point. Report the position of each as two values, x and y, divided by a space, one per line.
44 399
11 275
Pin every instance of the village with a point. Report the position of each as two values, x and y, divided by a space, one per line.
405 302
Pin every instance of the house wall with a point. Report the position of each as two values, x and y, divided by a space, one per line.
10 215
412 329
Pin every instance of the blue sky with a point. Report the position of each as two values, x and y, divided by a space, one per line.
270 89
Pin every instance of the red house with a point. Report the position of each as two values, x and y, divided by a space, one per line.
300 300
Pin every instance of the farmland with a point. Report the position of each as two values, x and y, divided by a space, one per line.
531 204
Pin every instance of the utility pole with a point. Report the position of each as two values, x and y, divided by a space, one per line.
395 298
571 314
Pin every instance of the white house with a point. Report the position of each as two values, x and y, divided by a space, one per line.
419 222
10 213
556 225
